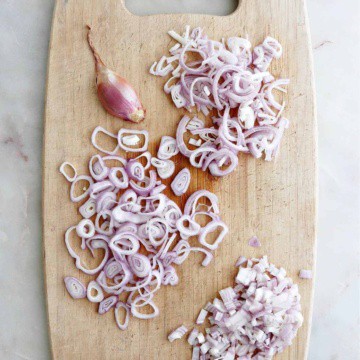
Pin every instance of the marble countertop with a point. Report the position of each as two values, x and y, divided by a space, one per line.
24 36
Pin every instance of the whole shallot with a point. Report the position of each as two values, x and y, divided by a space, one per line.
116 95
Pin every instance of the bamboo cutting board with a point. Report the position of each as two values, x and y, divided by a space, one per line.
274 200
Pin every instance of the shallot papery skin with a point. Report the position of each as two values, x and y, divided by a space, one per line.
231 83
115 93
256 319
143 233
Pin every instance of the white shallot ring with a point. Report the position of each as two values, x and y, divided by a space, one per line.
168 148
63 171
139 264
186 232
147 156
166 171
105 201
86 192
85 229
133 132
151 223
124 325
98 170
93 285
75 287
209 228
100 242
129 241
88 209
158 163
98 187
139 315
119 182
181 182
107 304
97 130
192 202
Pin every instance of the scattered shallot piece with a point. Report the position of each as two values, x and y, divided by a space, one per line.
181 182
75 288
254 242
66 174
305 274
178 333
115 94
202 316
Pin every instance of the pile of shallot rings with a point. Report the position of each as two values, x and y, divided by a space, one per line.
142 233
233 81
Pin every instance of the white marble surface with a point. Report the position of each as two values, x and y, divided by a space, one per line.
24 35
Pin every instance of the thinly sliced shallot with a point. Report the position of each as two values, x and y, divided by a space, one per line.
75 288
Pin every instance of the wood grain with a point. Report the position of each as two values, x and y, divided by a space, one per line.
276 200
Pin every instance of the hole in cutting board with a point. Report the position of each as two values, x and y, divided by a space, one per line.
211 7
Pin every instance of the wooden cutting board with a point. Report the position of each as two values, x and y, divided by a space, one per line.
274 200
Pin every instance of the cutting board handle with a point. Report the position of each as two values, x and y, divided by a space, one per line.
126 12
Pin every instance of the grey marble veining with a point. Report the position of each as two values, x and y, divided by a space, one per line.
24 36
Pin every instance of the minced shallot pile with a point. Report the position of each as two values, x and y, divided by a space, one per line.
142 233
231 80
256 319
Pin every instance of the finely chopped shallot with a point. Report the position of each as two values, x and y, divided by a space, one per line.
142 233
256 319
232 81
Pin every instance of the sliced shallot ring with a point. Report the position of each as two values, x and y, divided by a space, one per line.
88 209
85 229
93 285
192 202
168 148
139 265
101 243
181 182
74 198
152 239
105 214
139 315
208 254
107 304
63 171
129 240
209 228
147 156
125 324
105 201
193 229
98 187
97 130
112 268
158 163
75 288
135 170
98 170
133 132
120 183
150 183
166 171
